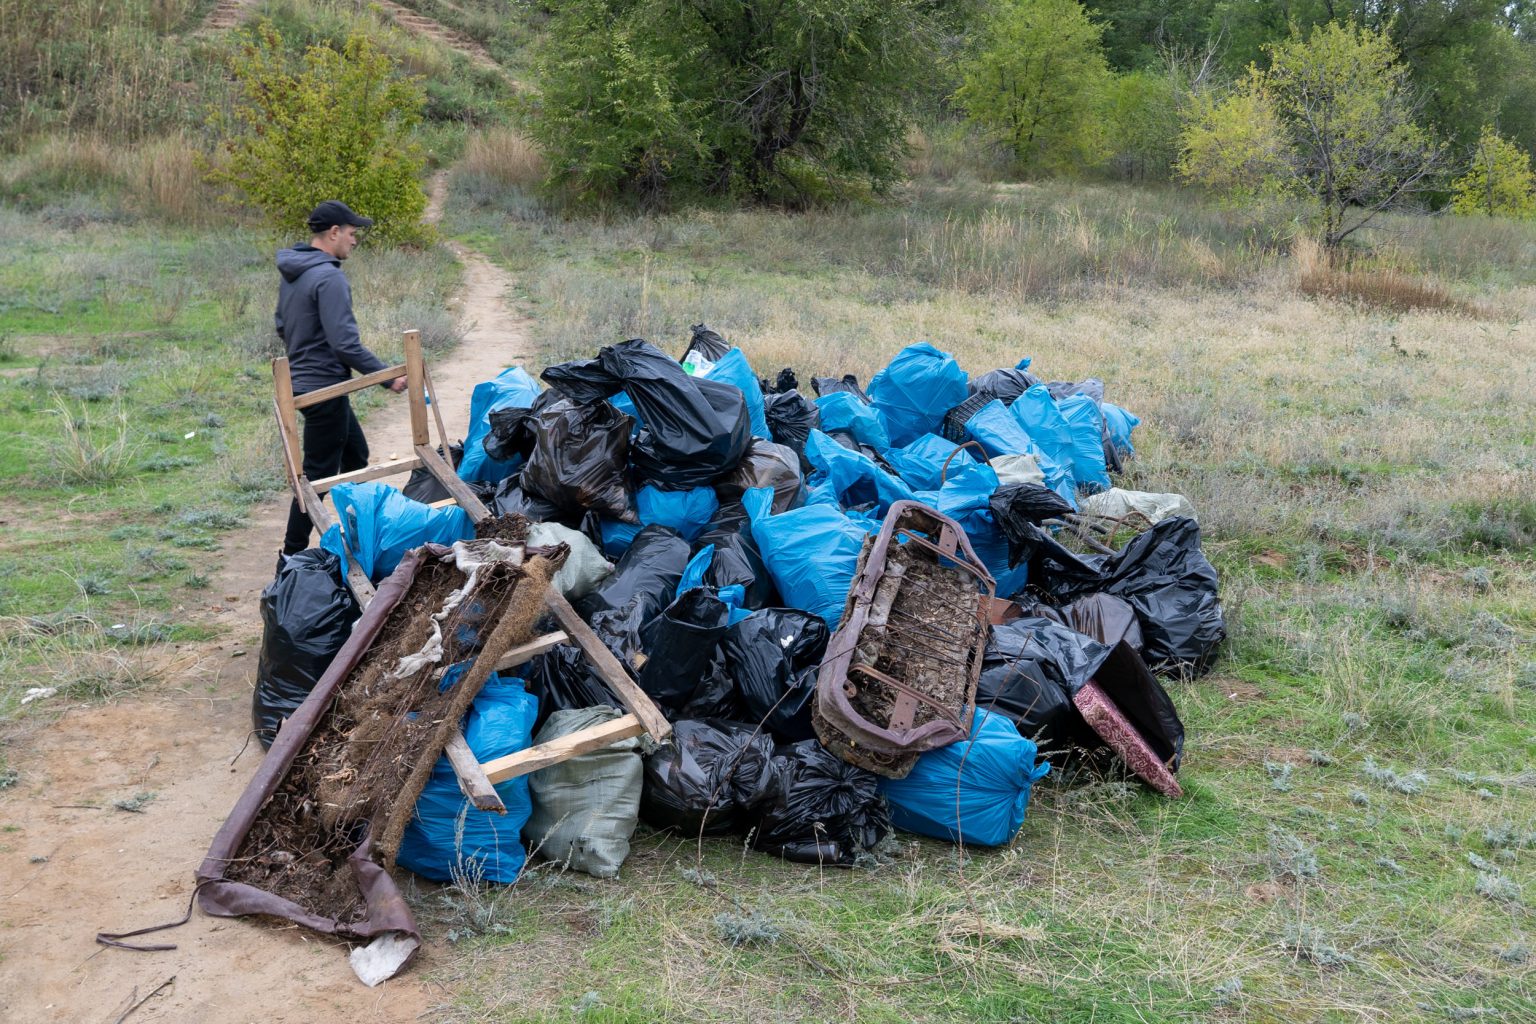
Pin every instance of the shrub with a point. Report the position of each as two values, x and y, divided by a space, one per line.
1499 181
336 129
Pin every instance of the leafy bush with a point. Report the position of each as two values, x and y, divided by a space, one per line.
1499 181
339 128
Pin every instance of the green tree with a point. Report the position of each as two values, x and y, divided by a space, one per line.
1141 124
1332 120
339 128
767 100
1498 181
1037 82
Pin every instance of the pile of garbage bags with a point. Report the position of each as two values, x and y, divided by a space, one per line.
718 519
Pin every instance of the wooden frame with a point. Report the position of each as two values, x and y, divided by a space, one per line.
476 780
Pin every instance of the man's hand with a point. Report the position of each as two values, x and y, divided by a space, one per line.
397 385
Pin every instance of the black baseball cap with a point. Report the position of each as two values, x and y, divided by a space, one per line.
333 212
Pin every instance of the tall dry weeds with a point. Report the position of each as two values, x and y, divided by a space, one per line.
504 156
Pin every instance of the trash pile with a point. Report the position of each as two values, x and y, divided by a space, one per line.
861 609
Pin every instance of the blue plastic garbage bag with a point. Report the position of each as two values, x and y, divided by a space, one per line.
382 525
811 552
1037 412
1090 472
487 847
848 478
998 433
688 512
915 391
617 535
996 429
843 410
974 790
733 368
966 498
513 388
921 462
1120 424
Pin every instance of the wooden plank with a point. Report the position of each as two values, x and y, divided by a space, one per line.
525 653
437 409
608 668
287 423
563 749
314 506
362 588
416 389
438 467
374 472
347 387
472 778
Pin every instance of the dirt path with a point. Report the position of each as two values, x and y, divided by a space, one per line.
71 864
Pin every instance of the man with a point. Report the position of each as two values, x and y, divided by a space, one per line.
314 319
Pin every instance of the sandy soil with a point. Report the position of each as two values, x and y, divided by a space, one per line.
72 865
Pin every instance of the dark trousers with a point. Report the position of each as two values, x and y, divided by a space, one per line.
333 443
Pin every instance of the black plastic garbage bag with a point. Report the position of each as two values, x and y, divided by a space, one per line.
1165 577
1031 669
711 776
642 584
1092 387
563 680
824 810
424 487
706 343
831 385
694 429
1005 384
511 498
1053 568
766 464
307 613
679 644
717 695
785 381
791 418
580 458
772 657
737 560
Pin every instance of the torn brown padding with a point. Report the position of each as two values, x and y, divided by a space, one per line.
301 842
513 625
899 677
383 908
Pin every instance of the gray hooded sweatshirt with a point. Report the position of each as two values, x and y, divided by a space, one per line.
314 319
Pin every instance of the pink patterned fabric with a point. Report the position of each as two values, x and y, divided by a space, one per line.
1121 736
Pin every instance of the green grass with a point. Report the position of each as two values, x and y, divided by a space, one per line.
1368 508
138 426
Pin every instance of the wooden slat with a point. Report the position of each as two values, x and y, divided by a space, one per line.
438 467
525 653
563 749
437 409
321 516
347 387
608 668
472 778
287 423
374 472
416 389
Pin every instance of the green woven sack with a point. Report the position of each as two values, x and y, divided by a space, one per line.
585 809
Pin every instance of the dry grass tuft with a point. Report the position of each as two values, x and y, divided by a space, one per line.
504 156
165 180
1321 275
